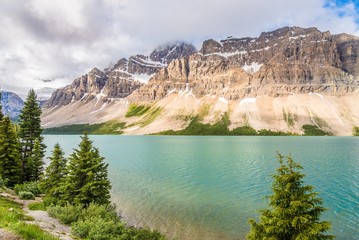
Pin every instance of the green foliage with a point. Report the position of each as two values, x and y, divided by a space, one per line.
26 195
244 131
311 130
10 163
28 187
30 130
66 214
294 211
135 110
150 116
99 222
86 179
221 129
289 118
2 182
35 163
267 132
37 206
356 131
54 178
98 128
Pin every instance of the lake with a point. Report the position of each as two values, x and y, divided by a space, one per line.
208 187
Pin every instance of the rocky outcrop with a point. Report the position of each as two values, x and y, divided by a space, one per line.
120 80
285 61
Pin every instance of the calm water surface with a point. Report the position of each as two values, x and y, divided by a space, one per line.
208 187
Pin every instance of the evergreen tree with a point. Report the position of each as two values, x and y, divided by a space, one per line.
54 176
1 114
86 179
30 130
10 164
35 163
295 209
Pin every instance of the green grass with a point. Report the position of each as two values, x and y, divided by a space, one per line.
135 110
12 218
356 131
150 116
98 128
37 206
311 130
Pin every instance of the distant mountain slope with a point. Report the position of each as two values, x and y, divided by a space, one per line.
11 105
281 80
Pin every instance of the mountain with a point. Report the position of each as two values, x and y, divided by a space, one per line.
11 104
281 80
120 80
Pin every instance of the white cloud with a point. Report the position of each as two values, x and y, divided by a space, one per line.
62 39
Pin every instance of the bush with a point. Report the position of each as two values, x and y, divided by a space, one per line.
66 214
26 195
28 187
2 182
356 131
97 228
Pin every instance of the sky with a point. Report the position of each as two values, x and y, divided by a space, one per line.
49 43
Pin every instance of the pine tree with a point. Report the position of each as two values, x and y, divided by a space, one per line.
1 114
35 163
86 179
30 130
10 164
295 209
55 175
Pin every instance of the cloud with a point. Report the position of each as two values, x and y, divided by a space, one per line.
62 39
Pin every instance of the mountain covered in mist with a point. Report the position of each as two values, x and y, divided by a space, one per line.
280 80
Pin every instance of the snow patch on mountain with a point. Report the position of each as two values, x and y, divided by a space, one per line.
252 68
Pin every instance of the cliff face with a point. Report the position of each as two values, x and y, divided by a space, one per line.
282 62
120 80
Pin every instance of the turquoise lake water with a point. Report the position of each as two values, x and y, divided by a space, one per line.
208 187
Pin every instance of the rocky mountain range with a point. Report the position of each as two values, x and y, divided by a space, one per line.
302 72
120 80
11 104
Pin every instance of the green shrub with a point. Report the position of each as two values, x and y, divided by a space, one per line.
97 228
107 212
37 206
66 214
356 131
2 182
143 234
28 187
26 195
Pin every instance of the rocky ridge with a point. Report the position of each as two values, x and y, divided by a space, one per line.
285 61
119 80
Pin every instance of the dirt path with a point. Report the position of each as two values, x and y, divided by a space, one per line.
41 218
